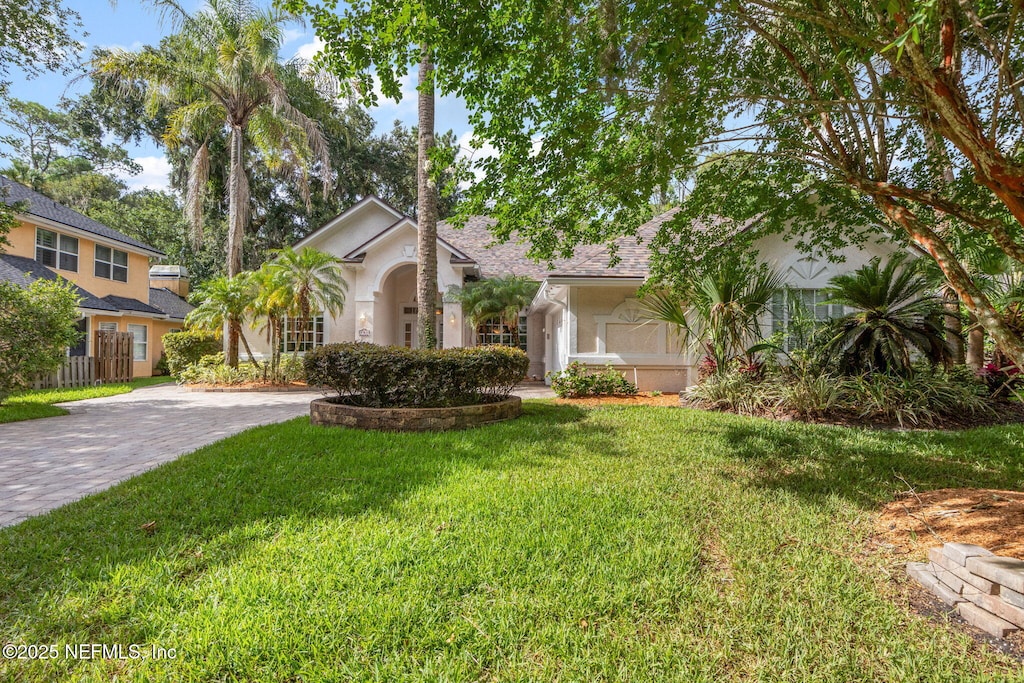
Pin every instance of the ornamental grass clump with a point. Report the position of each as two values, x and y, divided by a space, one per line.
376 376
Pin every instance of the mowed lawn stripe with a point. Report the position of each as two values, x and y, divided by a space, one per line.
641 544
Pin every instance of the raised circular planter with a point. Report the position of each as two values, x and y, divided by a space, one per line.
329 412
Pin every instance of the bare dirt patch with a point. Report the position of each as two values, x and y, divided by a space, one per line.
991 518
641 399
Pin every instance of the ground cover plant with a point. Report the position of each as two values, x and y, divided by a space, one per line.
35 403
638 544
577 380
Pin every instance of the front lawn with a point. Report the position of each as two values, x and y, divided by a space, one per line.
632 544
35 403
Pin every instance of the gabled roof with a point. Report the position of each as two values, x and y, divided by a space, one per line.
494 258
24 271
359 253
39 205
368 200
169 303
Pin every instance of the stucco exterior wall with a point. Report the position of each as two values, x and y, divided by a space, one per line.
23 243
156 329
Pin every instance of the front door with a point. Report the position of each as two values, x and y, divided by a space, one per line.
407 334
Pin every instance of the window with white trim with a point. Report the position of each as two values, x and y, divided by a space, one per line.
789 303
493 332
140 341
56 250
111 264
302 334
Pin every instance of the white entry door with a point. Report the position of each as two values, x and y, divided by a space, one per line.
407 335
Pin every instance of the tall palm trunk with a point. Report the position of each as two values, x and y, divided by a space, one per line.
238 201
975 344
954 324
426 208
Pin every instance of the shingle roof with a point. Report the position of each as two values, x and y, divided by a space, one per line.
124 303
170 303
633 252
40 205
24 271
494 258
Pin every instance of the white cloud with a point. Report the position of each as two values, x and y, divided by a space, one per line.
290 35
308 50
155 174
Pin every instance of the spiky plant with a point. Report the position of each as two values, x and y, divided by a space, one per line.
499 297
895 314
720 310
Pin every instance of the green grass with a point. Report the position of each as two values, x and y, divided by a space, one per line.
32 404
629 544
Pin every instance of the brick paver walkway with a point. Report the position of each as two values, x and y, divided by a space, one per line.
52 461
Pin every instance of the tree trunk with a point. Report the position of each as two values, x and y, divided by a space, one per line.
954 325
959 279
238 201
975 344
426 209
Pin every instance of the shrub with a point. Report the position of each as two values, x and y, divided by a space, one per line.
37 324
394 376
211 369
188 347
576 380
734 391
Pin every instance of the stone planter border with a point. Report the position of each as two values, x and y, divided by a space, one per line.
327 413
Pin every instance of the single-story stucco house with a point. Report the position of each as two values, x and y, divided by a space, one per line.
119 290
584 310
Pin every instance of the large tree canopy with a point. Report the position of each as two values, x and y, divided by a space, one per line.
826 120
36 36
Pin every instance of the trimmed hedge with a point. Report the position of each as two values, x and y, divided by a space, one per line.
397 377
187 348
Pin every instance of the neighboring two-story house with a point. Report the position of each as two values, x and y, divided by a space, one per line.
119 290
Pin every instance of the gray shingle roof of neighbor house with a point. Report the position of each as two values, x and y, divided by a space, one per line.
12 192
124 303
169 303
24 271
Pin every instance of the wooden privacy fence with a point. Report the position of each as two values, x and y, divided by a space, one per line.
77 371
113 351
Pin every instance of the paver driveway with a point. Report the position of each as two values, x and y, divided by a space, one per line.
49 462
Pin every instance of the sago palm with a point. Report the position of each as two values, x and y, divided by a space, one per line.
895 315
223 303
720 310
220 74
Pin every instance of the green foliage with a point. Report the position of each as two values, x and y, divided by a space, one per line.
720 310
499 298
37 325
395 376
894 316
932 397
37 36
223 301
188 346
577 380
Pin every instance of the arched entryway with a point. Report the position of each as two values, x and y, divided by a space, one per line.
395 308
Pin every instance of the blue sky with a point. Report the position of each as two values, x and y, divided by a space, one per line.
131 24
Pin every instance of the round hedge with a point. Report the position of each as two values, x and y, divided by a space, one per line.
397 377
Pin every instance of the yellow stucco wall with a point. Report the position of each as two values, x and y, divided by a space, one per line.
23 243
156 329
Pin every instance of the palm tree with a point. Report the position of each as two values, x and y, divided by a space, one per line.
223 303
720 310
305 283
894 314
220 74
426 210
501 297
268 307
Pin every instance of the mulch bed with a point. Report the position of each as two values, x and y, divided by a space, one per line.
917 520
641 399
